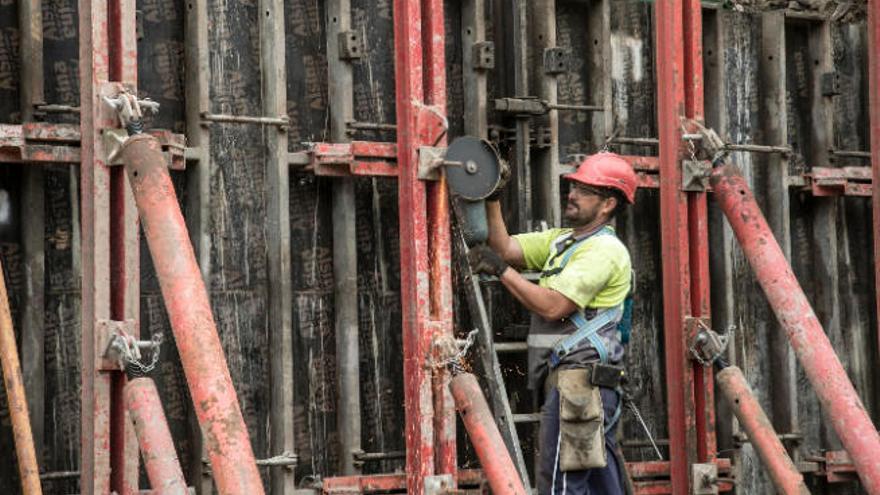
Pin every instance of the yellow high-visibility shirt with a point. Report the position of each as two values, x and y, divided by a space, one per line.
597 275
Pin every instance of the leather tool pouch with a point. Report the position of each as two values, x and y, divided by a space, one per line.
581 422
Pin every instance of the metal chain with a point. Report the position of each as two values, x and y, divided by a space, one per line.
723 341
456 361
130 354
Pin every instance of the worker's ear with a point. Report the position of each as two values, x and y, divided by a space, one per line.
610 205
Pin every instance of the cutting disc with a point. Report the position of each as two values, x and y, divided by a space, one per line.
474 169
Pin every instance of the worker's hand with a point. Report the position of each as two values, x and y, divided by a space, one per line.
483 260
502 181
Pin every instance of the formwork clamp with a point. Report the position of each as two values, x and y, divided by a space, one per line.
123 351
706 345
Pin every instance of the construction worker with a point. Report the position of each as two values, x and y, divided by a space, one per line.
575 343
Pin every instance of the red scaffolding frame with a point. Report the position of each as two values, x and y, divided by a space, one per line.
108 60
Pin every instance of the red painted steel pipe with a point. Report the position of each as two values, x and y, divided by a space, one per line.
154 438
210 384
874 120
839 399
480 424
783 472
16 399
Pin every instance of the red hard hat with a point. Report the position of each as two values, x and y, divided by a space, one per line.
607 170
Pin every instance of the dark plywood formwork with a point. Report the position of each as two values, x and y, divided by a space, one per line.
771 76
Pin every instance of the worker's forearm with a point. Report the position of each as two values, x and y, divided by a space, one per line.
547 303
498 235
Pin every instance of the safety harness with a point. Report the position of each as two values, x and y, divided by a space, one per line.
589 329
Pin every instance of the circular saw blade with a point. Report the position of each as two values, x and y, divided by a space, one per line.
476 170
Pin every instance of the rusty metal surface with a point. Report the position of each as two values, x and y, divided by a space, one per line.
484 435
839 399
201 354
735 389
414 249
154 438
677 290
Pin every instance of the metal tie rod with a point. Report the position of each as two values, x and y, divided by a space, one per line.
752 148
283 121
370 126
850 153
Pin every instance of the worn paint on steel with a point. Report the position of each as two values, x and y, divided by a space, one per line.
154 437
838 397
671 107
762 436
480 424
414 250
189 310
433 132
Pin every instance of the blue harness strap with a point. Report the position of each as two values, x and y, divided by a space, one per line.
586 330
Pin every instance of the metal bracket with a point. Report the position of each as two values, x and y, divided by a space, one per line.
706 345
695 175
114 138
830 84
106 334
555 60
705 479
521 106
439 484
483 55
430 161
351 45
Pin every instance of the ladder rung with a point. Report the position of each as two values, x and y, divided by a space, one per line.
527 418
511 347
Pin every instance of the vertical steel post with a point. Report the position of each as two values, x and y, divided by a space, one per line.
16 400
473 31
838 398
675 235
545 158
523 172
201 354
30 24
440 244
345 307
874 118
783 472
124 249
414 297
698 235
479 421
110 278
198 176
274 93
154 438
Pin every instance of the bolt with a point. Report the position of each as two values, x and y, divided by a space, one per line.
471 167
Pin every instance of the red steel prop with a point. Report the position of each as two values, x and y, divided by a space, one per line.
16 400
216 405
874 119
783 472
480 424
839 400
151 428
